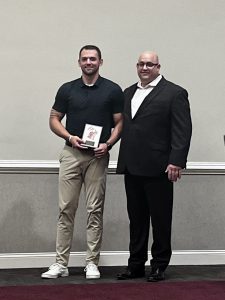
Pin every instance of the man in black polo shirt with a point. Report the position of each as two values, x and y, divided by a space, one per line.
97 101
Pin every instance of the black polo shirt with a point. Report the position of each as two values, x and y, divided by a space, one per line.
89 104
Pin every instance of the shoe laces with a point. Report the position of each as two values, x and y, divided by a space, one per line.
55 266
91 267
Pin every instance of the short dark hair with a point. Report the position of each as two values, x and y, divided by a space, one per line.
91 47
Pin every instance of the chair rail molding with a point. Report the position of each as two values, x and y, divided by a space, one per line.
52 167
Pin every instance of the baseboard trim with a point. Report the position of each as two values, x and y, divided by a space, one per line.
109 258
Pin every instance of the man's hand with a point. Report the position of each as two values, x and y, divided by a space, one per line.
174 172
76 142
101 150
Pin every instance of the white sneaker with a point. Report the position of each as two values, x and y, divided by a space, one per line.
92 271
56 270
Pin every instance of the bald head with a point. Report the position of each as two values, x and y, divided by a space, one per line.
150 55
148 67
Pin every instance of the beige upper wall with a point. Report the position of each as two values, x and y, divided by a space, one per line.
40 41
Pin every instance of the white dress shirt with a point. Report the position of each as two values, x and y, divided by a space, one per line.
141 93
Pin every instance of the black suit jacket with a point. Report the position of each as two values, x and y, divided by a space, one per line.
160 132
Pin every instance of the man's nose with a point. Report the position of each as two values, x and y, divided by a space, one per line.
144 67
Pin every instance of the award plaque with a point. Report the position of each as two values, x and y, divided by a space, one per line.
91 135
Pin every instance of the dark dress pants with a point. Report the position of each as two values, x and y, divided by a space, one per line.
148 199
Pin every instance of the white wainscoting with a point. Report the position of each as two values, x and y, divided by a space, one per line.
108 258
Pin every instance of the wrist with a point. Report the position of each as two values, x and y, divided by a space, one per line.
109 146
69 138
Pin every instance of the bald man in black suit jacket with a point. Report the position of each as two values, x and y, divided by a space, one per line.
153 151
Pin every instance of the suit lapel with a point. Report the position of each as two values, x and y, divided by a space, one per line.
156 90
130 93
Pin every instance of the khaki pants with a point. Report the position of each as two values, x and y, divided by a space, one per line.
79 167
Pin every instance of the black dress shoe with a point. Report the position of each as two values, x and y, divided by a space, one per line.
128 274
156 275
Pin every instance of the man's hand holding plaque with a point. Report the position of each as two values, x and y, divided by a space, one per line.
91 136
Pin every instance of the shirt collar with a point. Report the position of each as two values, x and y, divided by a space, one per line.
150 84
97 82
